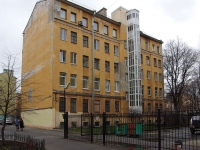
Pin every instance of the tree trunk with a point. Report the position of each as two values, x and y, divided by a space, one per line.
2 132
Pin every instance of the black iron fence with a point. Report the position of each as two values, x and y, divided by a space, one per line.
29 141
155 130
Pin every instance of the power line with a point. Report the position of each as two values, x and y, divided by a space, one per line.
112 4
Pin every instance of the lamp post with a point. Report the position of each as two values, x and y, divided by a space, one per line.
65 114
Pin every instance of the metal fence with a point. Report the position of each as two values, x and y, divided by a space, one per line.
155 130
31 142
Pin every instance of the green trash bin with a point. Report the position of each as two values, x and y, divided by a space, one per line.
121 129
138 128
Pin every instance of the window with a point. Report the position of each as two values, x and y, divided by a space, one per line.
85 61
126 77
142 89
148 60
107 106
125 61
73 58
73 37
85 41
85 105
148 75
116 67
125 44
85 82
156 92
105 29
153 47
155 76
30 94
63 13
146 45
160 92
85 22
158 49
96 44
141 73
73 17
116 86
62 78
160 77
116 106
159 63
73 80
62 56
149 107
156 107
155 62
96 63
114 33
149 90
97 84
97 106
63 34
96 26
116 50
106 46
61 104
73 105
141 59
107 87
107 66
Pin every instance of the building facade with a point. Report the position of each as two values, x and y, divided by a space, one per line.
66 43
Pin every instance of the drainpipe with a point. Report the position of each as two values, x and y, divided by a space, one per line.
93 62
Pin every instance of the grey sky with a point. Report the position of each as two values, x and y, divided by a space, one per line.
163 19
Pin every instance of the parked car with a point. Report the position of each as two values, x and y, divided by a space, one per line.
9 120
194 124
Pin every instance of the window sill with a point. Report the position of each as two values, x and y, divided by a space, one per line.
86 89
62 62
97 90
63 40
74 64
73 87
85 66
116 91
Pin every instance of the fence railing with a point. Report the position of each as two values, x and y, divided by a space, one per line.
31 142
155 130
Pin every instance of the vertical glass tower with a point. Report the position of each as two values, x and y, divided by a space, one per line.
134 61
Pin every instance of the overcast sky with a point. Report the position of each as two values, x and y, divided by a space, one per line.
163 19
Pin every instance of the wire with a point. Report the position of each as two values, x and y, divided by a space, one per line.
112 4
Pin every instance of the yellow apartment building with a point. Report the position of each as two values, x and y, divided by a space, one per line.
64 42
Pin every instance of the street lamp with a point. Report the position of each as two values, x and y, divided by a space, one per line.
65 115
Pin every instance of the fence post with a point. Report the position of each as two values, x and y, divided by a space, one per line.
104 128
159 130
67 125
91 119
81 125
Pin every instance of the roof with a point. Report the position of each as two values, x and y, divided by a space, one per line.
150 37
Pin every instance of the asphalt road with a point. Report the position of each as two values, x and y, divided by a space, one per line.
54 140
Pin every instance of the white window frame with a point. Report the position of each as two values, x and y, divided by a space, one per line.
106 47
96 44
114 33
73 80
85 61
63 77
149 91
125 61
159 63
160 92
107 85
116 67
96 26
126 77
153 47
148 60
85 41
73 58
97 84
148 75
155 76
85 22
63 13
116 86
96 63
106 30
156 92
73 17
85 82
107 66
160 77
116 53
63 34
158 49
63 56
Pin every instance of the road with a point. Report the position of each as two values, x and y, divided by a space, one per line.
54 140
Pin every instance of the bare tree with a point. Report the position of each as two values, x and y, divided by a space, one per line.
179 62
12 100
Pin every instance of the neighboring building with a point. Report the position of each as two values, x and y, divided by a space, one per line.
58 48
7 92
